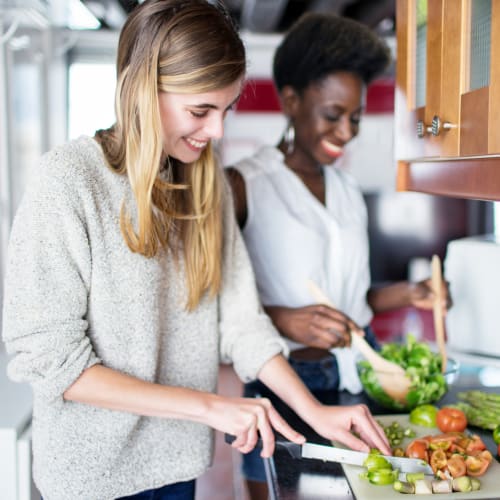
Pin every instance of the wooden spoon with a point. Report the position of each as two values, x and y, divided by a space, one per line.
390 375
436 280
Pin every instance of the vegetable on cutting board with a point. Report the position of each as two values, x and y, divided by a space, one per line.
451 420
424 415
452 454
481 408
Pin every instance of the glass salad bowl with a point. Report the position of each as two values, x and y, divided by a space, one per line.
428 384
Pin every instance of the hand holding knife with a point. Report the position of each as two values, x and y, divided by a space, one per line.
344 456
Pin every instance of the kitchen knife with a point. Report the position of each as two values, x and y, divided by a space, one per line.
344 456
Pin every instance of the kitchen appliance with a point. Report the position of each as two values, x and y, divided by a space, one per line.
472 268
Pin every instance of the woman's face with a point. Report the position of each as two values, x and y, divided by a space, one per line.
326 117
190 121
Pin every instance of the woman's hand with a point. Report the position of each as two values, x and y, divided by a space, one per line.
314 326
422 295
248 419
338 423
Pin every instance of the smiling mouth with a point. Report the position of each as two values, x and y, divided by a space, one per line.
331 149
196 144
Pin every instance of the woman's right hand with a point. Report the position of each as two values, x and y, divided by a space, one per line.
248 419
317 325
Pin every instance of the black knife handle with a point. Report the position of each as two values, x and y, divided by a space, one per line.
295 450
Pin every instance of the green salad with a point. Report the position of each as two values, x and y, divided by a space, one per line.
422 367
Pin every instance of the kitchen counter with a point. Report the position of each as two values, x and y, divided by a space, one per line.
295 479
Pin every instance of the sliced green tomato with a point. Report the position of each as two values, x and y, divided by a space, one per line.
382 477
424 415
376 462
496 434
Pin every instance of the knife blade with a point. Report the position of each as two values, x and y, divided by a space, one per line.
351 457
345 456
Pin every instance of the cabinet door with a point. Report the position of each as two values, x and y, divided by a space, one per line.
428 83
448 97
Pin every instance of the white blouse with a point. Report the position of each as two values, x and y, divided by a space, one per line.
292 237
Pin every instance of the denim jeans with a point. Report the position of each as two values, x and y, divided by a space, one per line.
320 375
176 491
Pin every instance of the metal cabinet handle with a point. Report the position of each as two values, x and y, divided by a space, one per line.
438 126
422 129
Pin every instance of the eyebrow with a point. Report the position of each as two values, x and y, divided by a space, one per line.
212 106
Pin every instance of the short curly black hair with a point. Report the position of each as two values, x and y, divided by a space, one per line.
320 44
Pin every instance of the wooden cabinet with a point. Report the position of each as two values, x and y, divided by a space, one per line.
447 98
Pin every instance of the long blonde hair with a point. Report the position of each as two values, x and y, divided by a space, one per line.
181 46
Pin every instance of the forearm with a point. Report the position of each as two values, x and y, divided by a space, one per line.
107 388
280 377
390 297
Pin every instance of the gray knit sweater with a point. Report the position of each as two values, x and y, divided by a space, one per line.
76 295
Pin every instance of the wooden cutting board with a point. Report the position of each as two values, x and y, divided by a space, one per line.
363 490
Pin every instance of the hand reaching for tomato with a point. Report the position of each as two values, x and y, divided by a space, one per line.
451 420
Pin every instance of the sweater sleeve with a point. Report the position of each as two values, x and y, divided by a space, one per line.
248 337
46 288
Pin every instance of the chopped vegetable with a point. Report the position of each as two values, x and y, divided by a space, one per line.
441 486
374 462
418 449
476 484
462 484
396 433
404 487
382 477
411 477
423 487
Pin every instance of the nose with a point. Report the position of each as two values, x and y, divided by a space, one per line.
214 126
345 130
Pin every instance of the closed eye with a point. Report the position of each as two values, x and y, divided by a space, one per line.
199 114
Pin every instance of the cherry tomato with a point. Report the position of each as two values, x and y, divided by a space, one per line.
417 449
456 465
498 450
451 419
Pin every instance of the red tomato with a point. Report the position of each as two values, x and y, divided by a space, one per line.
475 444
476 466
456 465
498 450
451 419
438 460
417 449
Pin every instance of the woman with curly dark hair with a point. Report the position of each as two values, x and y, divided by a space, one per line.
304 219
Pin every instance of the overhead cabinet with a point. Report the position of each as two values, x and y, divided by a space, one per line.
447 99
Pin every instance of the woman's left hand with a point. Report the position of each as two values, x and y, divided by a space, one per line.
422 295
339 423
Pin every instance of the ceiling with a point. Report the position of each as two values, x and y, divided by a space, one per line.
268 16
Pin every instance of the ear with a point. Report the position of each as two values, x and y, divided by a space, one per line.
289 100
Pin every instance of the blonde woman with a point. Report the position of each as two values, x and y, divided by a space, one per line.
128 283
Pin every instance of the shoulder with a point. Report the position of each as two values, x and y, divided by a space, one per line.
74 160
263 162
73 170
